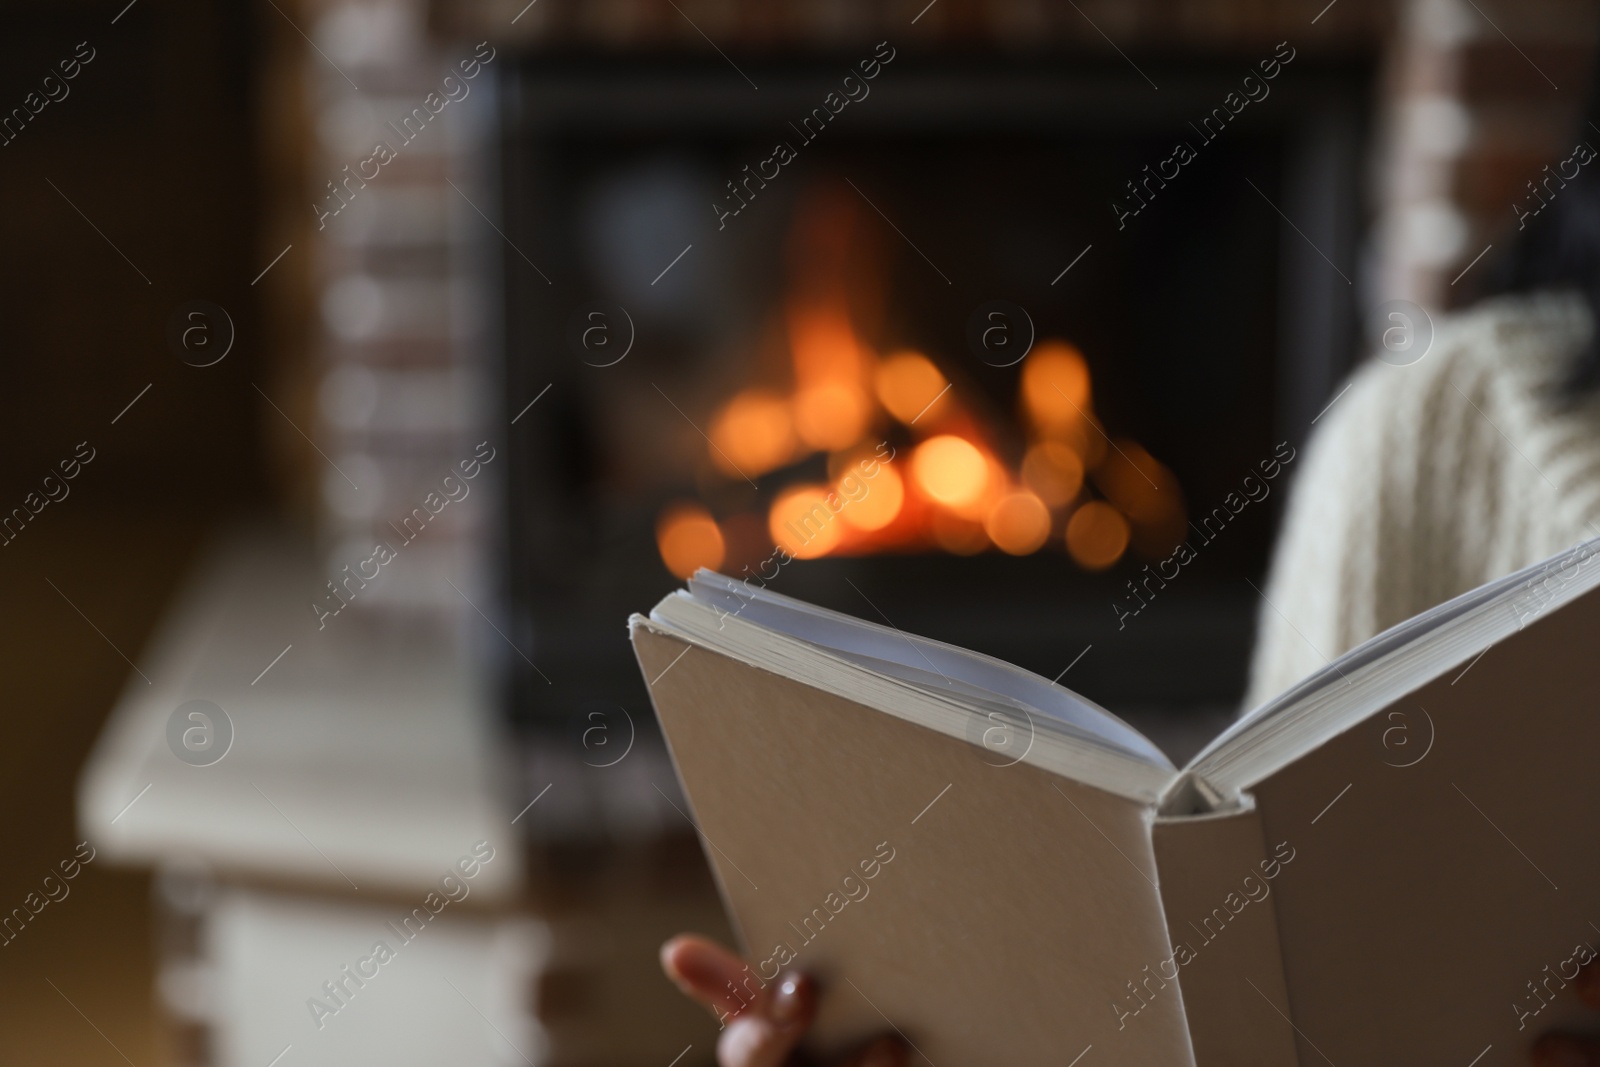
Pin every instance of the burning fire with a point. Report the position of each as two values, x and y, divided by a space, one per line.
911 466
950 489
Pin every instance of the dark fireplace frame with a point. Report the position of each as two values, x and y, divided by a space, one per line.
1192 652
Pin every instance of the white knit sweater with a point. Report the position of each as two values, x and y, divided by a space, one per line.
1425 481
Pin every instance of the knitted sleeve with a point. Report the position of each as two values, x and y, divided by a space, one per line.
1423 481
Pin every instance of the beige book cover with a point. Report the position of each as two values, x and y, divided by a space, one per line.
1394 863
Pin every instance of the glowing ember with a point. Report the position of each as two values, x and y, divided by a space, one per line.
908 385
752 434
1148 494
996 481
963 485
688 538
832 408
803 524
824 346
1054 472
832 415
871 503
1055 386
1018 523
950 470
1097 535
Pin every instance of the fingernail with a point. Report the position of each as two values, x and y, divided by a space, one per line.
789 1002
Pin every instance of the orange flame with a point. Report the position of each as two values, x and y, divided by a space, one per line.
752 434
688 539
1070 487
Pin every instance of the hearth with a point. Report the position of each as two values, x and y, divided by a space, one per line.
780 329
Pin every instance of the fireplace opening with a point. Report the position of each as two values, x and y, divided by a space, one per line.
808 374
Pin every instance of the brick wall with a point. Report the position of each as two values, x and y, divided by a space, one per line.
387 364
1478 98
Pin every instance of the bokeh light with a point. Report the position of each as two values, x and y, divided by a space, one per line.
908 384
1054 472
752 434
1018 523
1097 535
1055 386
878 499
802 523
688 539
950 470
831 415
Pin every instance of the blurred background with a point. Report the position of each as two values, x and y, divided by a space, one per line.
367 362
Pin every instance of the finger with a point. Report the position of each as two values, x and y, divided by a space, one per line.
752 1041
1561 1050
764 1037
1587 983
707 972
884 1052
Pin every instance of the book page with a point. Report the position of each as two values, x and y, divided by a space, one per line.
933 664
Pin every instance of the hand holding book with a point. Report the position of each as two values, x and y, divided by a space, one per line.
764 1031
1144 911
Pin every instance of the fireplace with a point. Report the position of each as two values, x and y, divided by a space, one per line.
923 364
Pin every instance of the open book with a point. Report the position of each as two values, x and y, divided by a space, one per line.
1396 861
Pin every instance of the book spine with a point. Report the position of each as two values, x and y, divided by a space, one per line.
1216 879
